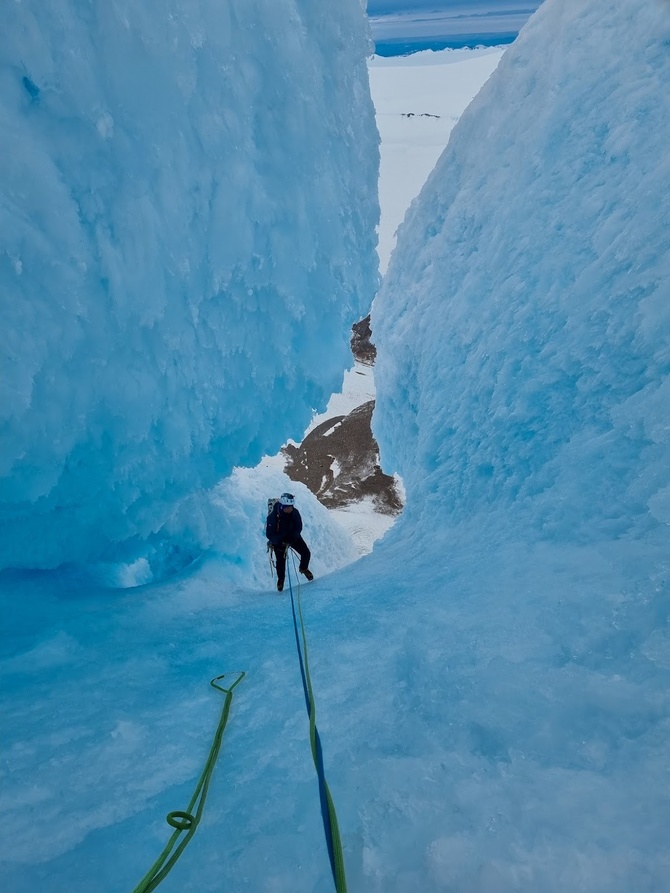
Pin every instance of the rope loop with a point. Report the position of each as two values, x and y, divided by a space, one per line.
183 821
240 676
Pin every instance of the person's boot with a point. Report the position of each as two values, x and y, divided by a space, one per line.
307 572
280 585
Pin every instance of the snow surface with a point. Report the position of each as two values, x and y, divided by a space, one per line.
363 523
358 387
418 99
492 681
180 266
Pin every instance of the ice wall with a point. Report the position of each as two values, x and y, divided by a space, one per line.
524 324
187 218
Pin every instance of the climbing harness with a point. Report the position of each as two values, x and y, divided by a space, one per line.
187 822
330 826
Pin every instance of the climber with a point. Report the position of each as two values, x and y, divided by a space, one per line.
283 530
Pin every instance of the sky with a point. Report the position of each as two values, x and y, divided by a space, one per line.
447 21
492 681
450 7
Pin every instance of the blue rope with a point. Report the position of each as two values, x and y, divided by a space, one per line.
327 808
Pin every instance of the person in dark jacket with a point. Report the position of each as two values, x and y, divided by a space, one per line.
283 530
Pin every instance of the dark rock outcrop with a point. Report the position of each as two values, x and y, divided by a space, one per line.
339 462
339 459
361 344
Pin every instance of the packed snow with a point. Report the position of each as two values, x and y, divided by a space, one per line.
492 681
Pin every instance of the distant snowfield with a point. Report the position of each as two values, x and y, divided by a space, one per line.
418 100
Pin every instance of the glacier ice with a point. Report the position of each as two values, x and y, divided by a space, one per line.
524 322
492 681
187 219
523 335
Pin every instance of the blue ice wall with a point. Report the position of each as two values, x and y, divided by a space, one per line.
187 230
524 324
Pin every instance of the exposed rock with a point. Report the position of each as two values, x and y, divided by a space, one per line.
339 459
339 462
361 344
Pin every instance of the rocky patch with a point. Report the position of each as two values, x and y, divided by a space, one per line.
339 459
361 344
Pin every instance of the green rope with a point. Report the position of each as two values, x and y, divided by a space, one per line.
187 822
331 826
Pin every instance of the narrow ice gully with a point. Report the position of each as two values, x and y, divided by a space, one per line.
492 682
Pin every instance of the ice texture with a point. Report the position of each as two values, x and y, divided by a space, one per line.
524 324
523 393
492 682
187 229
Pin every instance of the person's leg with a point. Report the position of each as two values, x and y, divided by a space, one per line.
280 558
303 551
